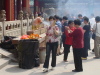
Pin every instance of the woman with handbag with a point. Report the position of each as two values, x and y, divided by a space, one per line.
86 29
52 38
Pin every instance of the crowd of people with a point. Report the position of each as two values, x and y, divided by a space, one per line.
72 32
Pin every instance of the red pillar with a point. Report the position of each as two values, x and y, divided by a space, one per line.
19 6
9 7
25 5
36 5
41 5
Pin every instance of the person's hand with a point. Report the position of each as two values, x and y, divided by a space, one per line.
54 30
67 28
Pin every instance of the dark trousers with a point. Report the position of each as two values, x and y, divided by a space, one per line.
86 47
61 43
51 47
63 39
77 59
66 51
85 52
89 44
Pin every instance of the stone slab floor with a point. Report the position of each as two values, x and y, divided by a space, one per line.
90 66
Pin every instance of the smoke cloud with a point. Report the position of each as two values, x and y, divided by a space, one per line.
75 7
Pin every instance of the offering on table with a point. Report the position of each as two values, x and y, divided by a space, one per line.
32 36
25 37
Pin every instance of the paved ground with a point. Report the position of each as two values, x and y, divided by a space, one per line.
90 66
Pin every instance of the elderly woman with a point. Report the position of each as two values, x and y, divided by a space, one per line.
78 44
52 38
68 40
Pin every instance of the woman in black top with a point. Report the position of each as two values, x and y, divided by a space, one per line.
86 38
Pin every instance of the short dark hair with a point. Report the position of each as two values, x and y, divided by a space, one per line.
70 21
80 15
65 18
39 14
77 22
51 17
60 19
57 17
86 19
97 18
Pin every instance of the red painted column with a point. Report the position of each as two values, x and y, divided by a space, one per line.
36 5
12 10
41 5
9 7
25 5
19 6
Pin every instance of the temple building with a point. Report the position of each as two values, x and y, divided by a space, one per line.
12 7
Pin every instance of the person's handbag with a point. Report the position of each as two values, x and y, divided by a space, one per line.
94 34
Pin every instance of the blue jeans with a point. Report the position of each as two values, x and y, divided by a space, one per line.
51 47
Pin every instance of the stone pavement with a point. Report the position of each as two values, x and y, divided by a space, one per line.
90 67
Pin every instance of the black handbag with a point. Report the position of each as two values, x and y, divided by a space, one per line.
93 36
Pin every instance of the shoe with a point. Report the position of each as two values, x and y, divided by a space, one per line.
77 70
89 49
83 58
92 50
45 70
60 53
52 68
65 61
96 57
57 54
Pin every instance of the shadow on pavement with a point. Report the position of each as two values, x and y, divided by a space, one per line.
62 63
66 73
15 69
40 73
49 73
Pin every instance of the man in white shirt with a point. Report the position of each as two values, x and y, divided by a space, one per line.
92 20
96 29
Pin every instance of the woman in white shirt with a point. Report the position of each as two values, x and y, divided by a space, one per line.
52 38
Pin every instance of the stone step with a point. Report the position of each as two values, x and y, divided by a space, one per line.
7 54
4 62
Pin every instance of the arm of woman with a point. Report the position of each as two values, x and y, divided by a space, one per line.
68 29
56 30
74 33
66 33
47 33
86 28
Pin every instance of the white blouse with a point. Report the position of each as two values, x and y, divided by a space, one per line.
51 35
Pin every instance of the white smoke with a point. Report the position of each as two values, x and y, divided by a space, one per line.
66 7
46 24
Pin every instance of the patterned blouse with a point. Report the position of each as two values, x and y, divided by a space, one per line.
51 35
